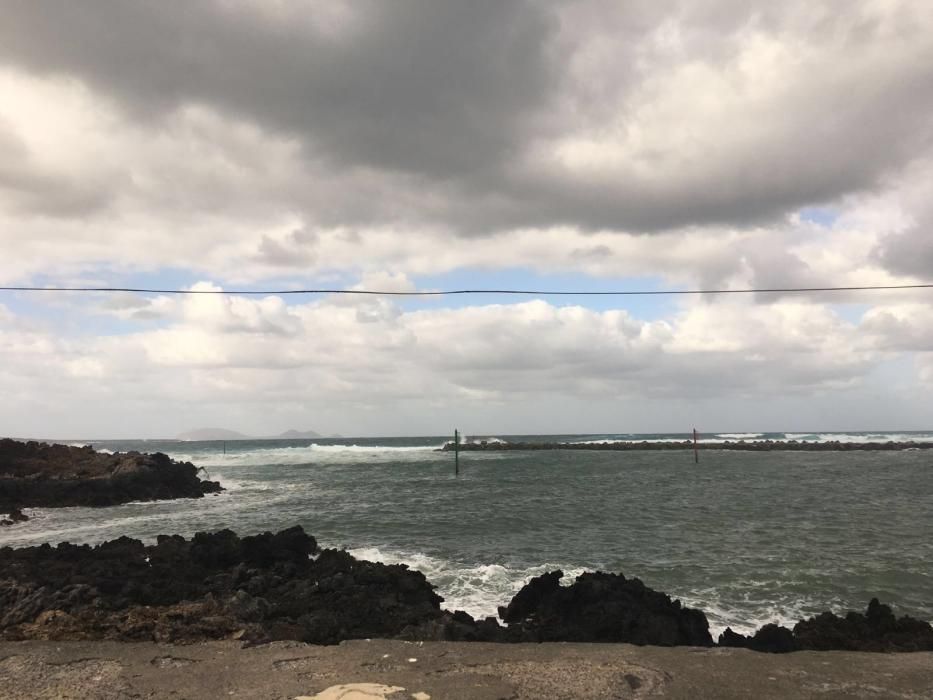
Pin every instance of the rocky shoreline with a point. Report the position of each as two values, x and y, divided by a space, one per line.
741 445
282 586
40 475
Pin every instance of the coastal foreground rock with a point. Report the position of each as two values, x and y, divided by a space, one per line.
601 607
876 630
281 586
214 586
39 475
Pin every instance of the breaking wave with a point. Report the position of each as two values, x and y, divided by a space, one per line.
476 589
310 454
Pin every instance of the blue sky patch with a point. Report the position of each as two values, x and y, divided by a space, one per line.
823 216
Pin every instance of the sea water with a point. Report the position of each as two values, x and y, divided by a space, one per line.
748 537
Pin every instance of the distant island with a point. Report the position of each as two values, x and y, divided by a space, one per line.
224 434
299 435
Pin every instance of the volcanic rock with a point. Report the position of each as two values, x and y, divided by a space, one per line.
601 607
14 516
35 474
877 630
214 586
770 638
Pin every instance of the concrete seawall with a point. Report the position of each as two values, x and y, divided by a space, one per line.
448 671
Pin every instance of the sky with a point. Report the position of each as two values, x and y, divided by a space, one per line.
429 144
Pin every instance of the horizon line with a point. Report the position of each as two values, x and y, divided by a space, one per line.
453 292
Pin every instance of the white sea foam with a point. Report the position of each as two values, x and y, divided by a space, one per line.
747 619
365 449
867 437
480 589
230 484
636 439
615 441
800 437
102 450
311 454
477 589
476 439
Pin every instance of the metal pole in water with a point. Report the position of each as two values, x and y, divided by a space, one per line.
225 447
456 453
696 452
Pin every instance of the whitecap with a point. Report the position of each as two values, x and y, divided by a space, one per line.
860 437
310 454
477 589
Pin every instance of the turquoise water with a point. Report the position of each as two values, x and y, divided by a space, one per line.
749 537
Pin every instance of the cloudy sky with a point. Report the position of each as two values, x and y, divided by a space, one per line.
420 144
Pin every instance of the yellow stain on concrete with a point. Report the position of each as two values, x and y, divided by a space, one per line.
354 691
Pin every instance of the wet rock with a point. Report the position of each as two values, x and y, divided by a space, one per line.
876 630
531 596
728 638
14 516
456 627
41 475
214 586
601 607
771 638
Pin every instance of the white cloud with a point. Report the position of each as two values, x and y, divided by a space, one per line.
221 349
901 326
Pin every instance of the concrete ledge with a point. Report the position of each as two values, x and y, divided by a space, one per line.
449 670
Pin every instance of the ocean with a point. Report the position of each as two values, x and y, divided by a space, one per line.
748 537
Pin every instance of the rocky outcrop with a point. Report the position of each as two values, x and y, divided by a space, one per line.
34 474
214 586
771 638
14 516
601 607
877 630
280 586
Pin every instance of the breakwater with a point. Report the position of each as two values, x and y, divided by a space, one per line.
746 445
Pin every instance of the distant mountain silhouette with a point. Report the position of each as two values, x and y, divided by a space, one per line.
224 434
299 435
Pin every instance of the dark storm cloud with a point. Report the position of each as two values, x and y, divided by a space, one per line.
464 101
416 85
908 248
910 253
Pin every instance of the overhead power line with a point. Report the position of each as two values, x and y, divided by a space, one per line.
451 292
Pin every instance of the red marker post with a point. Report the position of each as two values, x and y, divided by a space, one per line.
696 450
